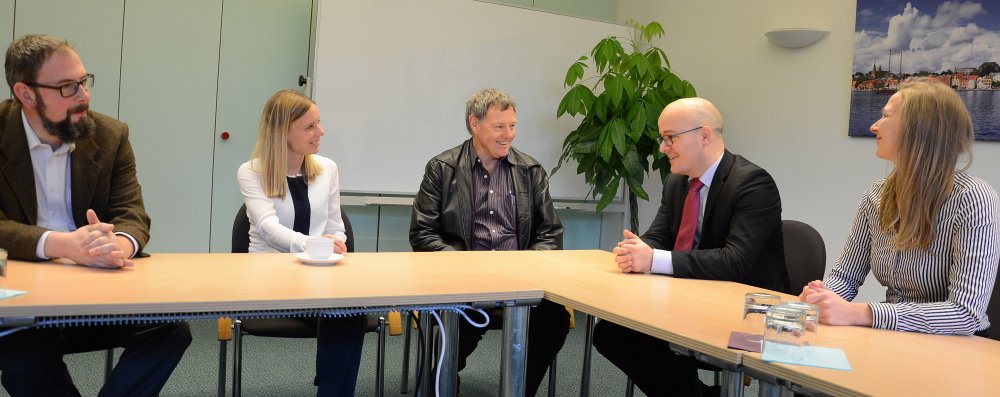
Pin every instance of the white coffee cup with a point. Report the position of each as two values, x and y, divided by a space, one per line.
319 248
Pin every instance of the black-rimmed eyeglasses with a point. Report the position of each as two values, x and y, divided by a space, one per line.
669 138
69 89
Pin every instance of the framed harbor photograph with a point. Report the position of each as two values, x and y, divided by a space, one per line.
954 42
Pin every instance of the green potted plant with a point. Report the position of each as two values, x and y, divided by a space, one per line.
617 137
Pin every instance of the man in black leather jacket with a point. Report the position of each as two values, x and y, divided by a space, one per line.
484 195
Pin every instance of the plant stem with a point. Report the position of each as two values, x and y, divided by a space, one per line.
633 212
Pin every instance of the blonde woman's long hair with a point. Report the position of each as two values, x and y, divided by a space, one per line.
935 129
270 155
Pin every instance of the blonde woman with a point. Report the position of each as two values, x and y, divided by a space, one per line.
928 232
293 194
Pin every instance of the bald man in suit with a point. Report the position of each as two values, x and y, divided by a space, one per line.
719 219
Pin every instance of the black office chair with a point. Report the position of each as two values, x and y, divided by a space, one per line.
805 254
993 310
285 327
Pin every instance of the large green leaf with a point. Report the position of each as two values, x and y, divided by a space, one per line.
601 109
628 87
608 194
613 88
651 31
605 146
585 147
578 100
619 135
640 63
574 73
689 91
637 122
662 56
569 103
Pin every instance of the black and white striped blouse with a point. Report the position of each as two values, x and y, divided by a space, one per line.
941 290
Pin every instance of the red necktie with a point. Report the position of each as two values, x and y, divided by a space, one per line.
689 219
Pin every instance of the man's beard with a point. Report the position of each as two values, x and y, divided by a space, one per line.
67 131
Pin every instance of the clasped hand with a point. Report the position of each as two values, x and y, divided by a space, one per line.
94 245
833 309
632 255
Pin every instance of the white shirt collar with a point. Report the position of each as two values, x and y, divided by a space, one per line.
709 174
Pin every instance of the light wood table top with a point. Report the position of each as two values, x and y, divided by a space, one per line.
695 314
893 363
700 314
178 283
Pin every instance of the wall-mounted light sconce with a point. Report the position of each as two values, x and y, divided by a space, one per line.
796 37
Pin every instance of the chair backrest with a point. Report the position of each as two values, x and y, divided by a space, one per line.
805 254
241 231
993 310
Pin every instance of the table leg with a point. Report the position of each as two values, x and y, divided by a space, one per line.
732 383
449 367
237 357
426 357
515 349
588 347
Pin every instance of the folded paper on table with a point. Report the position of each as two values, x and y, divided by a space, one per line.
10 293
812 356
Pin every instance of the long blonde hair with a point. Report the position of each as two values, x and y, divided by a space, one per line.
271 151
935 129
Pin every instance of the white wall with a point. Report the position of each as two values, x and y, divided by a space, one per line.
786 110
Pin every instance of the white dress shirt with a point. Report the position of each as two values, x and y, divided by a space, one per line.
53 188
663 260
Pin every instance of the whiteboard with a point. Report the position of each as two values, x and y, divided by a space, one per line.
391 79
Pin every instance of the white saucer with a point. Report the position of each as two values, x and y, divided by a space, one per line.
334 258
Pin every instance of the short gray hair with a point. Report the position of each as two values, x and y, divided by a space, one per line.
26 55
481 102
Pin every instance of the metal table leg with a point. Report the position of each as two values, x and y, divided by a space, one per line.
588 344
426 357
732 383
404 382
237 356
515 348
449 367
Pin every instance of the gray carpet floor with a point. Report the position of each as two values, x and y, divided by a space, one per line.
285 367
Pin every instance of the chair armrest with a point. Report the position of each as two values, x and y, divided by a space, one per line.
572 317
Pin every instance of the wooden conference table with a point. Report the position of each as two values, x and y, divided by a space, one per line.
189 285
698 315
691 314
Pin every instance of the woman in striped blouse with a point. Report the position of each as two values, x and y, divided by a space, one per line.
928 232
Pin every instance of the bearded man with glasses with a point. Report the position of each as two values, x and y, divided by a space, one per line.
64 169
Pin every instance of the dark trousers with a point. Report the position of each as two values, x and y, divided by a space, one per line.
548 327
648 361
32 360
338 354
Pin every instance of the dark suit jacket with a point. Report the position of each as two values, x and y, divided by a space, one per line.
741 237
103 178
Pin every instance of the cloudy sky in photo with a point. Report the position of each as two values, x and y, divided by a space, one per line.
933 35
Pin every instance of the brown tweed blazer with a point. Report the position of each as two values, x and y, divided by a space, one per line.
103 178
